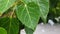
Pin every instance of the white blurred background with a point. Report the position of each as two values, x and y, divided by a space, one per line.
49 28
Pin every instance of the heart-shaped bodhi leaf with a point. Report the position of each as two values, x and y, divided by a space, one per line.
28 14
5 4
10 24
2 31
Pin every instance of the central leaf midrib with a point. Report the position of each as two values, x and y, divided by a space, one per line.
9 26
28 13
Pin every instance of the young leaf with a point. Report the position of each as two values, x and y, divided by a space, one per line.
5 4
28 14
10 24
2 31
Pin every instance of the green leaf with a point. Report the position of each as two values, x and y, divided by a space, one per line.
5 4
2 31
44 8
28 30
10 24
28 14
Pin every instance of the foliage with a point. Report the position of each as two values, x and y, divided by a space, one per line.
18 14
